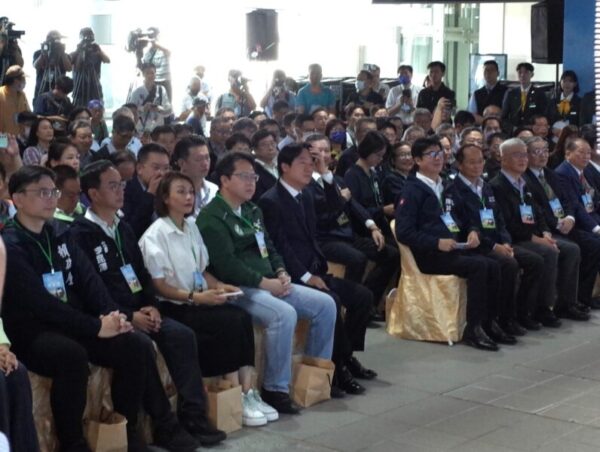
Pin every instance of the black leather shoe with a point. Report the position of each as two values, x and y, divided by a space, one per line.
376 316
528 323
280 401
175 438
512 327
476 337
547 318
344 380
358 370
572 313
582 307
337 393
204 432
498 335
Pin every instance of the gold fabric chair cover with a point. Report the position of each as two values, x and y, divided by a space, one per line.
426 307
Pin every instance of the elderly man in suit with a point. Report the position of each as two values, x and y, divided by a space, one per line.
585 200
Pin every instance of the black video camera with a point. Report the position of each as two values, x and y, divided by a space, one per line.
6 29
137 39
53 47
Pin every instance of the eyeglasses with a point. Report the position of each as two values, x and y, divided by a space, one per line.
434 154
247 177
44 193
540 152
115 186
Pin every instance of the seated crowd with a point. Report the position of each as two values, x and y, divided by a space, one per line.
186 234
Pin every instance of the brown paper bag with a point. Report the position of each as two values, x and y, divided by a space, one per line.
107 434
225 406
312 381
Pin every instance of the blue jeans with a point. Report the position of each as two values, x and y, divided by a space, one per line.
278 316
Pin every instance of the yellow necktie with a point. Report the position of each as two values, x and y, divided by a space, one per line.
523 100
564 107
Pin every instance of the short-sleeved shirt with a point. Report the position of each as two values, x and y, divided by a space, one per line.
160 61
311 101
173 254
34 155
11 104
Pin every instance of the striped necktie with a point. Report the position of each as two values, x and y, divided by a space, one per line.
547 188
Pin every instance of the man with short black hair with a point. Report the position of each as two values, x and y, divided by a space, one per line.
138 208
60 315
165 136
68 207
152 100
402 99
265 151
521 103
193 159
492 93
291 221
430 96
220 131
350 155
245 126
123 131
242 253
56 102
112 247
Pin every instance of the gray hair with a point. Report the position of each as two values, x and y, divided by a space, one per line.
511 143
530 141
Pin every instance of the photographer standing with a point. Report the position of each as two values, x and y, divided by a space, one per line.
238 98
151 99
50 63
159 57
87 60
10 52
276 92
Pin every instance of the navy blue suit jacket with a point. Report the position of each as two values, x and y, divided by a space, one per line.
138 207
537 190
293 236
467 206
573 189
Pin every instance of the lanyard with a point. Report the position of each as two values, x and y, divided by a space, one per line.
119 244
47 254
241 217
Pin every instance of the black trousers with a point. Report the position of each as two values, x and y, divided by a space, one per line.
355 255
135 383
350 331
533 265
16 420
507 293
482 275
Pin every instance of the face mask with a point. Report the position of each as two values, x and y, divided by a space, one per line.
360 85
338 137
404 80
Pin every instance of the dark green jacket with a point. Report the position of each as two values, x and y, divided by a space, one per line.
232 247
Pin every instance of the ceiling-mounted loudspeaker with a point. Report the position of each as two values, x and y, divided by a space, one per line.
547 30
262 35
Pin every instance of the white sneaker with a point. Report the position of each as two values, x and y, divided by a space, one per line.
270 413
251 416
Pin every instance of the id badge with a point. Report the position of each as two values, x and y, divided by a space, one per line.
132 280
262 246
450 223
487 218
526 214
198 281
342 219
587 202
557 208
55 285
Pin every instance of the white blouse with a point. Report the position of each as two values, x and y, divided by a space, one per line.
173 254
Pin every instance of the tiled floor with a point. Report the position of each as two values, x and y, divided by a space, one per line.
543 394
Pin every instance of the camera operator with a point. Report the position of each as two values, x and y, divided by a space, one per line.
159 56
50 62
10 52
238 97
12 100
151 99
277 91
87 60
